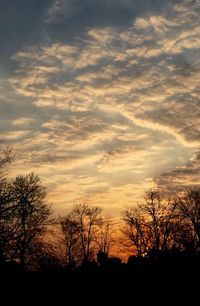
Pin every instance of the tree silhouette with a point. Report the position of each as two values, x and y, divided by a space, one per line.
150 226
71 241
182 237
30 214
87 218
188 208
135 230
105 237
156 212
6 157
160 215
6 219
156 230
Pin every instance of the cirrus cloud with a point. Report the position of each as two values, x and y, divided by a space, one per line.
113 111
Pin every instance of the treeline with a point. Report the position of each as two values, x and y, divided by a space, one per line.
31 238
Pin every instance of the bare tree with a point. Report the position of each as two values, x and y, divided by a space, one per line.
105 237
6 157
88 218
154 211
6 216
159 216
71 241
182 236
49 256
150 226
135 230
30 214
188 208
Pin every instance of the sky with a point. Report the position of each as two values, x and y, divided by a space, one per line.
101 98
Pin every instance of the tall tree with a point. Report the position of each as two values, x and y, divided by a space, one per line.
155 212
159 215
6 157
150 226
71 241
188 208
105 235
135 230
30 215
88 218
6 218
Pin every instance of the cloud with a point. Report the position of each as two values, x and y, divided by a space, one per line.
22 121
102 48
14 135
181 178
112 111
